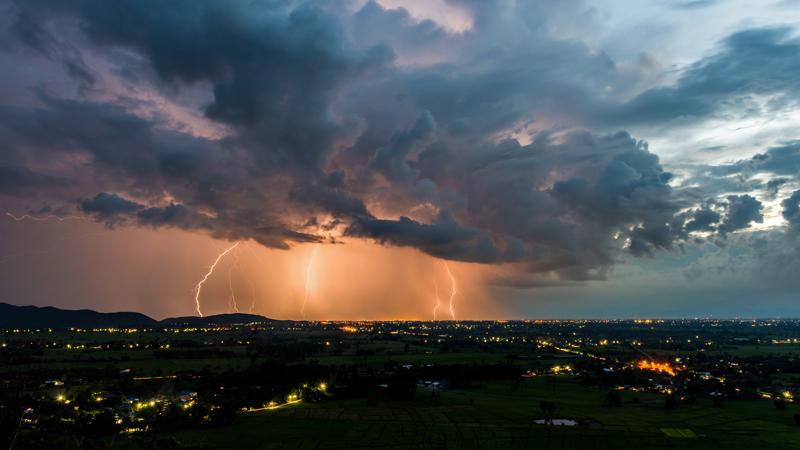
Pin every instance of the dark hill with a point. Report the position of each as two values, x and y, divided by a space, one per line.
12 316
219 319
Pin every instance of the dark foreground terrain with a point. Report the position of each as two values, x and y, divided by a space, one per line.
688 384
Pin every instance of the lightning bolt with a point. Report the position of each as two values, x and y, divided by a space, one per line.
438 300
250 280
308 280
199 285
232 297
42 219
453 291
252 296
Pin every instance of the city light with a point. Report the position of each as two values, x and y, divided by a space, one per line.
657 367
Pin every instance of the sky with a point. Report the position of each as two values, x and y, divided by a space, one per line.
402 159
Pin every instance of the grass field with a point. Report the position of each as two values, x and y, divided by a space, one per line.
760 350
143 361
500 416
412 358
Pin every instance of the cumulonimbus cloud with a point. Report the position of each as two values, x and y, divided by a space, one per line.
333 130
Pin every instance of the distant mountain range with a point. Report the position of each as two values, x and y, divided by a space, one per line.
219 319
12 316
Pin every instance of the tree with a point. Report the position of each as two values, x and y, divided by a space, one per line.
613 398
548 409
670 402
102 423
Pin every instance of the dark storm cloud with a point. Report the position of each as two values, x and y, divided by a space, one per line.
171 215
129 150
329 199
373 24
569 203
774 185
21 181
741 211
767 171
782 160
724 215
444 238
791 209
751 62
703 219
134 155
631 188
337 124
275 67
107 206
25 30
515 215
391 160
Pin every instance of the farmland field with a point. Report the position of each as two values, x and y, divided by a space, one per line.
406 385
501 416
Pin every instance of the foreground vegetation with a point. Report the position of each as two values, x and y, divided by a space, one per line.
499 415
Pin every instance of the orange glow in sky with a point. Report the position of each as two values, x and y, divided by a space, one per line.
353 279
309 267
438 299
453 291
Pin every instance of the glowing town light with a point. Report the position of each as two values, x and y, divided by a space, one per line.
438 299
560 369
308 280
657 367
453 292
199 285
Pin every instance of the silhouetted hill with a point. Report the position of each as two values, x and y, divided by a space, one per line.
12 316
219 319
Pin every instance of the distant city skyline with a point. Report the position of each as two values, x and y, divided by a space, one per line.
447 159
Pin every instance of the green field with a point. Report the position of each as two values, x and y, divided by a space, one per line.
760 350
500 416
413 358
142 361
493 414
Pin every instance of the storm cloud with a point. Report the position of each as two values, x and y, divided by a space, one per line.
300 122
